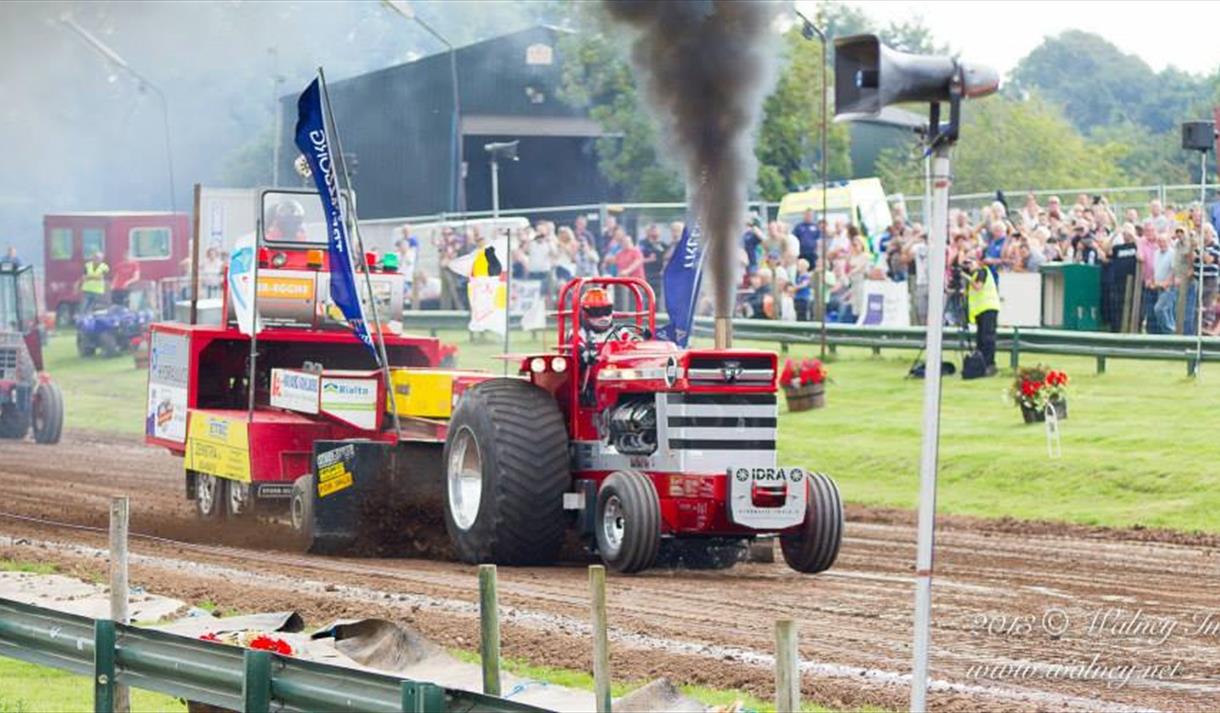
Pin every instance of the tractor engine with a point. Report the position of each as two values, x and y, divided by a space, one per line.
633 426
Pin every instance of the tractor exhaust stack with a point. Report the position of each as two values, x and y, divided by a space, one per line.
723 333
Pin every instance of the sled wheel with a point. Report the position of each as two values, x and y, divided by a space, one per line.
300 510
627 522
47 413
814 545
210 495
506 470
14 423
239 500
84 346
108 344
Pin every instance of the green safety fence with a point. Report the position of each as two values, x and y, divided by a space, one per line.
213 673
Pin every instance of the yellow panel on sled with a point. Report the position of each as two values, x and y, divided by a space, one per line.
423 393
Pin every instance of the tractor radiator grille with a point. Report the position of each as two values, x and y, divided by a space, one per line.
728 370
8 363
720 422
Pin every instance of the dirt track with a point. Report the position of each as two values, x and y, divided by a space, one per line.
1027 616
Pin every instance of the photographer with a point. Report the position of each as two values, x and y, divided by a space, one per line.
983 304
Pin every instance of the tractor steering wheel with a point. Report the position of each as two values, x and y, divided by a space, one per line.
630 333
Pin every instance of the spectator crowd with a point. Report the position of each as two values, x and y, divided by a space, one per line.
1162 250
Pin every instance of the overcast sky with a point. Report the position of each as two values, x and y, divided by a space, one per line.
1000 32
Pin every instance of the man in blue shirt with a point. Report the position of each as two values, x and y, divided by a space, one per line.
808 233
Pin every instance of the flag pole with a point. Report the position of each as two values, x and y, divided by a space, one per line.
341 161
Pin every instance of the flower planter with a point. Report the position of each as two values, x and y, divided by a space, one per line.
804 398
1032 415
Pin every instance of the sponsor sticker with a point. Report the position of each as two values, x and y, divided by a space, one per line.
333 472
218 446
295 390
351 399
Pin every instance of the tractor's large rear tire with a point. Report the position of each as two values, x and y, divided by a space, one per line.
47 413
506 470
627 522
108 343
210 496
814 546
14 423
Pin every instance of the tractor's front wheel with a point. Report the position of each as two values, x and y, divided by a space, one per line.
14 423
506 470
84 345
108 343
47 413
627 522
240 500
814 546
210 496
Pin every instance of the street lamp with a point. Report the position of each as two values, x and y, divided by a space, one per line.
118 62
506 150
457 199
809 31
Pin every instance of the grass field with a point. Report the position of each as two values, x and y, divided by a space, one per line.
1141 444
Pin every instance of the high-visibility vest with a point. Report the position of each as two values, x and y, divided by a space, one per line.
94 281
983 298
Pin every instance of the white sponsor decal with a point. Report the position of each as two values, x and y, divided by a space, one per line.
168 381
351 399
295 390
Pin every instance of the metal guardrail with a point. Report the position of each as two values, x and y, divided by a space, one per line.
213 673
1015 340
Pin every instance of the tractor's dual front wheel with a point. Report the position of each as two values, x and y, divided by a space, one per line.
506 470
47 413
627 522
814 546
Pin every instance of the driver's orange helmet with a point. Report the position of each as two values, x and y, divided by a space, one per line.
596 312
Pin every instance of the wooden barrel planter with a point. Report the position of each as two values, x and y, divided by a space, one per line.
1032 415
806 397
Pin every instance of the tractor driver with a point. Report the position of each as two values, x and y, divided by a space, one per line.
596 326
287 222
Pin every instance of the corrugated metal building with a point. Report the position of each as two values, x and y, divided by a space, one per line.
398 121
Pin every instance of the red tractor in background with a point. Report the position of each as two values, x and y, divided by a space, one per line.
29 401
648 451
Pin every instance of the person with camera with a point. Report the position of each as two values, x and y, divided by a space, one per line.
983 307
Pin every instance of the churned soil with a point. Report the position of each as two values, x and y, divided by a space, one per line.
1027 616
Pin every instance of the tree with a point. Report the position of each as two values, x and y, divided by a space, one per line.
789 144
1014 144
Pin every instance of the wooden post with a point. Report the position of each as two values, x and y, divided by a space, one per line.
489 629
787 671
1014 355
118 582
601 641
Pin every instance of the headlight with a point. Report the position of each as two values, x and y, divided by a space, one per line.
537 365
559 365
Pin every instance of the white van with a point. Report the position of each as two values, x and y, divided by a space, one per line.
860 201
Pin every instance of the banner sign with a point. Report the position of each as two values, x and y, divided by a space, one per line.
168 381
682 277
312 140
295 390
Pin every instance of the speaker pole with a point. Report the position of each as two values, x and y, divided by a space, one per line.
1199 277
930 450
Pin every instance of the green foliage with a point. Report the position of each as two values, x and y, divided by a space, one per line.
7 565
789 140
1010 143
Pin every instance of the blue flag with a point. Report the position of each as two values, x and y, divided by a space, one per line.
682 277
312 140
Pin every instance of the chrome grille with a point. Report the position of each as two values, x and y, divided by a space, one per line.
8 363
730 370
720 422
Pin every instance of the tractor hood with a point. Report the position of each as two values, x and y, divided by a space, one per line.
656 360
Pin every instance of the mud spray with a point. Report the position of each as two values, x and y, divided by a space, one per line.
706 66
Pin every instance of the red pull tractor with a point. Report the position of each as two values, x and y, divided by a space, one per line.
650 451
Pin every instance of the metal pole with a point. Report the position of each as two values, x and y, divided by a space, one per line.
195 257
508 259
277 126
929 452
118 581
169 152
1199 277
341 161
253 319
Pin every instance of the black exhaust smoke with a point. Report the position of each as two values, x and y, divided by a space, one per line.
706 66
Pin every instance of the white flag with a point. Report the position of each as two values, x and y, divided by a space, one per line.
241 282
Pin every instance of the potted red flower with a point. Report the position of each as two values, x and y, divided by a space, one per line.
1037 388
804 384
